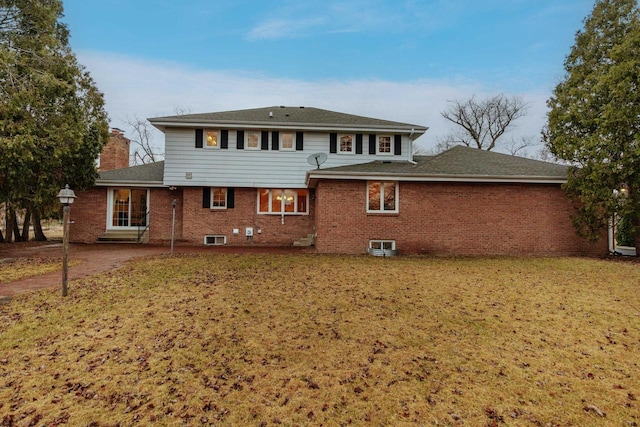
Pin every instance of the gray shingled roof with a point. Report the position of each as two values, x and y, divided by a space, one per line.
458 162
275 116
152 173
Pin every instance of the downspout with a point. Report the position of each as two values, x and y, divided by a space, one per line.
413 162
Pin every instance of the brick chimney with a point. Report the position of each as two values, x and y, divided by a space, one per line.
115 155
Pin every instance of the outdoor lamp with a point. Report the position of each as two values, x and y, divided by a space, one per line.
66 197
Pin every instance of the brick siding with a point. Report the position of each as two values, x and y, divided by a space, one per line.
89 215
453 219
199 221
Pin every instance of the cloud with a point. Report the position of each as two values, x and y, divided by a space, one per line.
136 87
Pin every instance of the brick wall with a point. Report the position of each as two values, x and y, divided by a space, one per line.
453 219
89 215
115 154
199 221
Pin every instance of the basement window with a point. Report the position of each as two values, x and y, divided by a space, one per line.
215 240
382 244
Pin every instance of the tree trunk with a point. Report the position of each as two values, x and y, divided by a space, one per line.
1 237
14 226
7 223
37 227
26 225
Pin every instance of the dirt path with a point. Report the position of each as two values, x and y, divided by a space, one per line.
99 258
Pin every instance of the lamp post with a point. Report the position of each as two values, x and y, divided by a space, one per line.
173 222
66 196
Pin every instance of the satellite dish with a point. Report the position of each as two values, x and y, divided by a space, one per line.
317 159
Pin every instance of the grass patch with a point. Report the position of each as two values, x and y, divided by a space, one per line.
332 340
22 268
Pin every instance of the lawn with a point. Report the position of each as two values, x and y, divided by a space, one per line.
268 340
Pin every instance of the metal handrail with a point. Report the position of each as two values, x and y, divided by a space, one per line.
141 230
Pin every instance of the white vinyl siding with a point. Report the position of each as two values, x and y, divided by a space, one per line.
253 168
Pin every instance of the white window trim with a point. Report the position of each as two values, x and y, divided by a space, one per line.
246 140
110 207
293 142
215 238
204 136
353 143
295 201
391 142
397 194
381 241
226 199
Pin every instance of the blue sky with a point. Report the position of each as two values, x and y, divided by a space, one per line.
392 59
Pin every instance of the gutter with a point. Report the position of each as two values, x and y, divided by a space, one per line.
313 175
162 125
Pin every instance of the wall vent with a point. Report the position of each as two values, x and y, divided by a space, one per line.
215 240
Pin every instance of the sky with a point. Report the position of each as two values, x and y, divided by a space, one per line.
402 60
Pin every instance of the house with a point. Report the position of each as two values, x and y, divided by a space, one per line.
344 183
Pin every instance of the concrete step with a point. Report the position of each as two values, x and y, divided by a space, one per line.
123 236
310 240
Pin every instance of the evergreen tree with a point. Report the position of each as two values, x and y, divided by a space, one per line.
52 119
594 118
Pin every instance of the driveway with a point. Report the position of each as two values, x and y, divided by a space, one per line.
99 258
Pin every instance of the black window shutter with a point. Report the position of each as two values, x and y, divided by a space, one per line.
333 143
358 143
198 138
299 141
240 140
275 140
372 144
397 145
265 140
231 199
206 197
224 139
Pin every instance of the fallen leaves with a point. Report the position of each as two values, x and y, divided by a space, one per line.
263 340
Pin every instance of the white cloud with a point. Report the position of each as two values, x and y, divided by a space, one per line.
135 87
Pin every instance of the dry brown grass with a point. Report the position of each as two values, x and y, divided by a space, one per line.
324 340
21 268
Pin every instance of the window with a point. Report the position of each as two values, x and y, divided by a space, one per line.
215 240
382 197
384 144
128 207
212 138
382 244
346 144
218 198
253 140
287 141
278 201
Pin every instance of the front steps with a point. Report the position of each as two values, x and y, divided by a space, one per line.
123 236
310 240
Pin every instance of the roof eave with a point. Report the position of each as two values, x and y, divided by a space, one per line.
313 177
128 183
163 124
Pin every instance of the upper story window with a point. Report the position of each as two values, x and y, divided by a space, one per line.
212 138
346 144
384 144
253 140
287 141
382 197
283 201
218 198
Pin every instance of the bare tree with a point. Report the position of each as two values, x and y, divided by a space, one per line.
143 150
482 123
